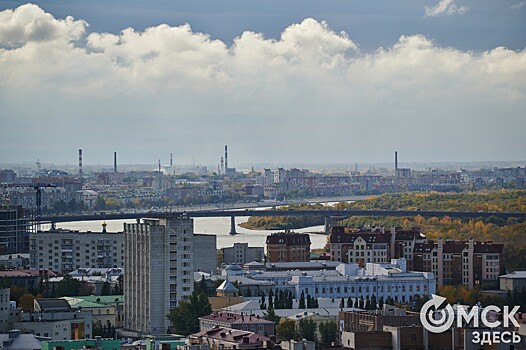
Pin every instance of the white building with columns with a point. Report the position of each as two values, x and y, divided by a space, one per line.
381 280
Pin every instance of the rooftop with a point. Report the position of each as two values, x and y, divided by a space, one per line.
515 274
231 317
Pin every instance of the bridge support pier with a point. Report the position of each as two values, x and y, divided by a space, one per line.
328 224
233 225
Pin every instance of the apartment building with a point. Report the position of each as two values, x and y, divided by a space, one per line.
67 250
241 254
288 247
469 263
158 267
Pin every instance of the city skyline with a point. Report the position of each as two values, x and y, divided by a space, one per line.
321 84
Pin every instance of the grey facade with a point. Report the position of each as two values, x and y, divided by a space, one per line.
14 230
158 271
205 253
67 250
241 253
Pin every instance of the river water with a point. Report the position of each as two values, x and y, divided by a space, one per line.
216 226
213 226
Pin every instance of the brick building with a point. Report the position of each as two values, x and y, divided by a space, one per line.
288 247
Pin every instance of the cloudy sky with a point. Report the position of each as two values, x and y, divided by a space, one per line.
295 81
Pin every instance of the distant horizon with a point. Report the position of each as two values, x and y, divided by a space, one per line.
416 165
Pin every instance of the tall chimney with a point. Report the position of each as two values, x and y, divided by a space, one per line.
159 165
114 162
396 162
222 166
226 158
80 162
171 161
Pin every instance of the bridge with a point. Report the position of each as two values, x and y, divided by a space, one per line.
328 214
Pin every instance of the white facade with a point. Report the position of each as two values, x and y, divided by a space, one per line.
65 250
60 325
158 268
381 280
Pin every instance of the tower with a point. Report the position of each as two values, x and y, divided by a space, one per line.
80 162
171 161
158 270
396 163
114 162
226 159
222 166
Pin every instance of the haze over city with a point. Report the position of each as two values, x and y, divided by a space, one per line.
300 81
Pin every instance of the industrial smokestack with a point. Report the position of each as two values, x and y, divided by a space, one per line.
171 161
222 166
114 162
80 162
396 162
159 165
226 158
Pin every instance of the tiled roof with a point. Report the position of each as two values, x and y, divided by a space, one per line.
231 335
423 247
455 247
288 238
407 235
488 248
368 237
26 273
231 317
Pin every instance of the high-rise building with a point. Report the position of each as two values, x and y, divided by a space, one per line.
158 271
14 230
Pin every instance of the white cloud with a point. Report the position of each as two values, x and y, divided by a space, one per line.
29 23
518 5
171 87
445 7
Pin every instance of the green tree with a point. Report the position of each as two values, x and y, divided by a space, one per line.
374 304
349 302
106 289
307 329
26 302
342 303
68 287
185 317
328 332
301 304
270 315
286 330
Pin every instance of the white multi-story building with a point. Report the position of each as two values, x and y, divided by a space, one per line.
158 267
381 280
67 250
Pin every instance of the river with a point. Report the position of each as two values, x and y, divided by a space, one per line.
213 226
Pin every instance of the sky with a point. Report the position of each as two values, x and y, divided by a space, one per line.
296 81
